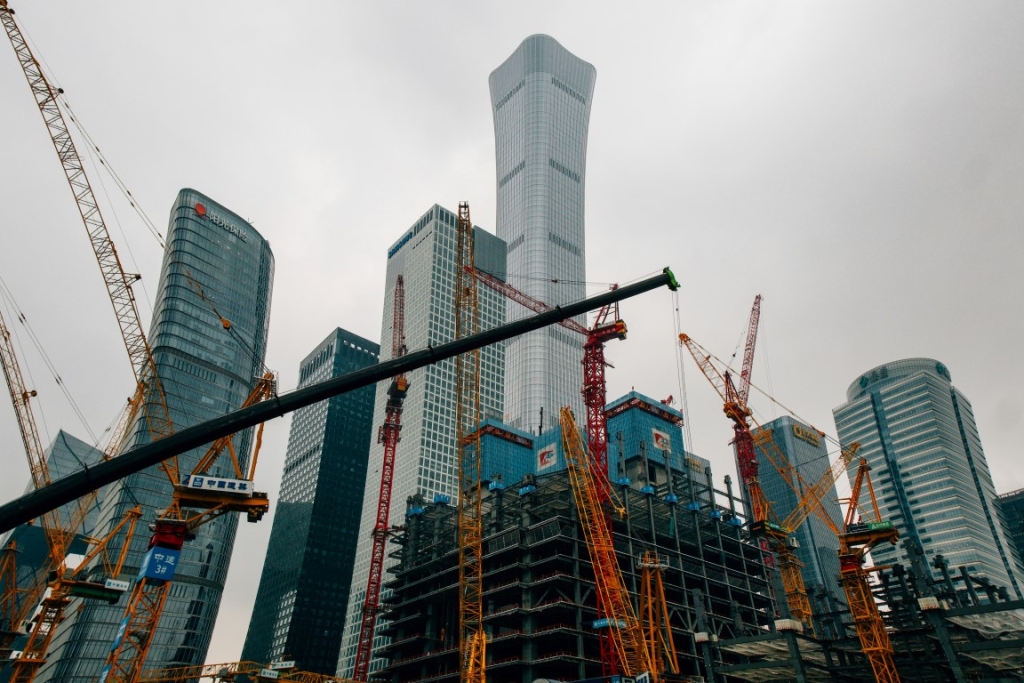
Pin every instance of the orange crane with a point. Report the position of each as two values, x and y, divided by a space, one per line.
607 326
65 584
764 523
149 396
627 634
197 499
856 539
654 615
472 638
389 436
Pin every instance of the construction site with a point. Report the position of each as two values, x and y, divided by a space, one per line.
599 550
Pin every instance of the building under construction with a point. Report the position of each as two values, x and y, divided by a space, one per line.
539 594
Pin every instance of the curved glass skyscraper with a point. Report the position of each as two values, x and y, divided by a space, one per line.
917 431
540 98
206 371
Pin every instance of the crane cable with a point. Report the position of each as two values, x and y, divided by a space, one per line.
8 297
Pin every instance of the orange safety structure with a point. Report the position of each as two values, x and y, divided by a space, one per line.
472 638
627 634
228 672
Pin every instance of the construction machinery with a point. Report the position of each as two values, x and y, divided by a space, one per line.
863 530
608 325
197 498
626 633
149 400
388 434
64 582
855 538
654 615
472 638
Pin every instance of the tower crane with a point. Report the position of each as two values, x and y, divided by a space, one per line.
607 326
763 517
472 638
627 634
149 398
654 614
856 539
196 500
388 435
65 583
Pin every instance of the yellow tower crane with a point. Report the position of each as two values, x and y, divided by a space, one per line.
654 615
472 638
66 583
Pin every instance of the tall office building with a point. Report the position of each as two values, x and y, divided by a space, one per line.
300 605
426 461
206 371
805 449
918 434
540 98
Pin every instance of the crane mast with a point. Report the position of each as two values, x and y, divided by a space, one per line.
607 326
856 539
149 392
472 638
389 436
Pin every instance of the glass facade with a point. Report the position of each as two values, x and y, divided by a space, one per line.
425 461
918 433
540 98
806 451
206 371
300 605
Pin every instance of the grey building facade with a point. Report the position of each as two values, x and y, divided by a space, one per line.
918 434
425 460
206 371
300 604
540 98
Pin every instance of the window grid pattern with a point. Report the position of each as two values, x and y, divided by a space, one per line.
541 100
929 471
206 372
425 459
304 587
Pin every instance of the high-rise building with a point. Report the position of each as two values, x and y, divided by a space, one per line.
214 259
540 98
918 434
1011 507
300 604
804 449
426 461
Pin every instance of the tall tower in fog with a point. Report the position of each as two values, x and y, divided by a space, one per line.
540 98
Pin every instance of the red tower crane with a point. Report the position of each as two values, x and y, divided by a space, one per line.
607 326
737 410
388 434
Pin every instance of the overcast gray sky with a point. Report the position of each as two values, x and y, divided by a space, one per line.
859 164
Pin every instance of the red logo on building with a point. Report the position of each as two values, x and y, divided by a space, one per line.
200 209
